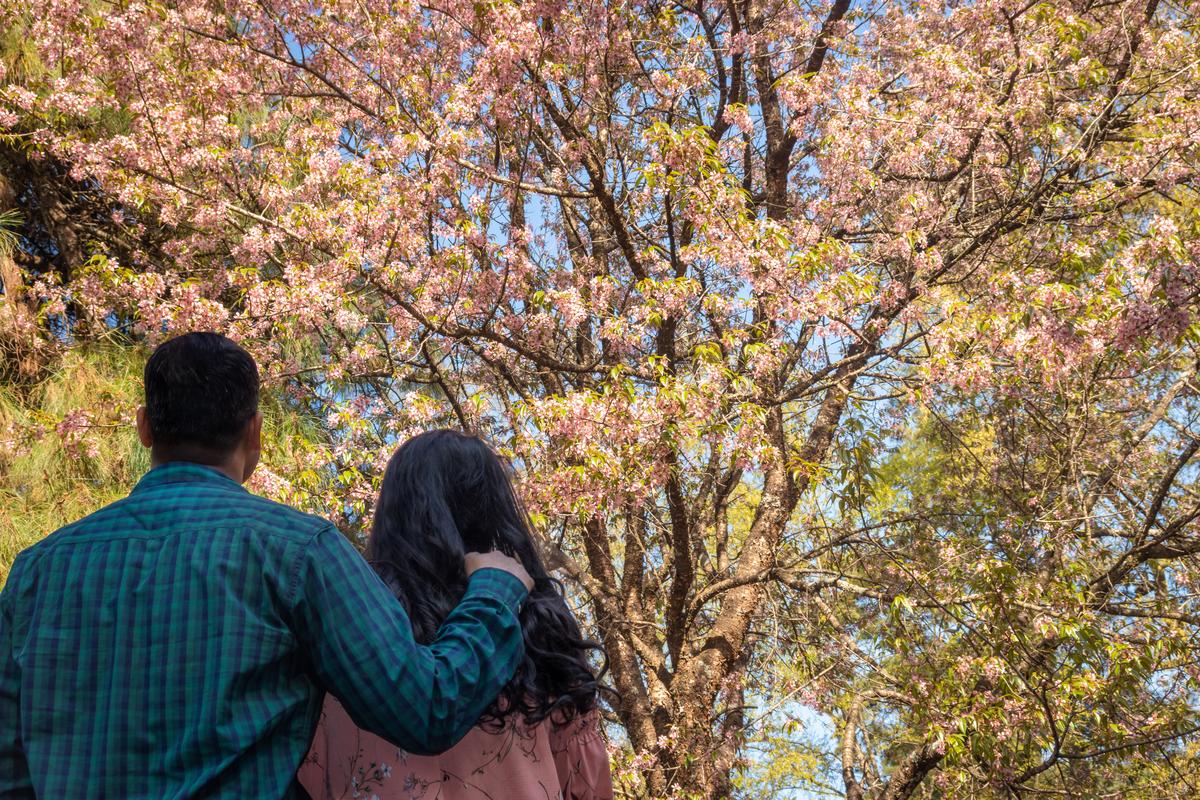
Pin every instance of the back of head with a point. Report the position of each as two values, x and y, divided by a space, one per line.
445 493
201 392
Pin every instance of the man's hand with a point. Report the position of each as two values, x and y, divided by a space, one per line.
497 560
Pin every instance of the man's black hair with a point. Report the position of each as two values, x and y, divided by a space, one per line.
201 391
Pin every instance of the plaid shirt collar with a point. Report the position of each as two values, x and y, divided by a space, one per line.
185 472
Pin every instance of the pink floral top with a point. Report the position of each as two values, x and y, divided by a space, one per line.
546 762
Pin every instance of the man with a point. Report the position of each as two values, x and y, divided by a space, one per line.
178 643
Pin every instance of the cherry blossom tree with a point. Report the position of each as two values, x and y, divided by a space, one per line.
847 349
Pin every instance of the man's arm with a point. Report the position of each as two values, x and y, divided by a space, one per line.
422 698
15 783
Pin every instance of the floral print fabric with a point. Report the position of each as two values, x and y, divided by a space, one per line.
545 762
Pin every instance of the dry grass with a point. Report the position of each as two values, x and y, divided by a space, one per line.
44 484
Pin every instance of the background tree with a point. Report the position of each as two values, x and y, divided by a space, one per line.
847 347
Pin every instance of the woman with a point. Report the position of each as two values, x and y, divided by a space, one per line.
445 493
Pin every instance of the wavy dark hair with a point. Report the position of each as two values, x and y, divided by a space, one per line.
446 493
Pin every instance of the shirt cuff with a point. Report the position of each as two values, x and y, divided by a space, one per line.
498 584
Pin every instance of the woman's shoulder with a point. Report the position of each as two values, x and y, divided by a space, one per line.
581 757
585 724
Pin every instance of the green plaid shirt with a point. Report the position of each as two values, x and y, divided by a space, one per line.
178 644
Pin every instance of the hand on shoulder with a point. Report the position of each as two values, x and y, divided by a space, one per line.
497 560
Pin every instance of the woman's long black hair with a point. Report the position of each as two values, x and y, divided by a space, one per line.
446 493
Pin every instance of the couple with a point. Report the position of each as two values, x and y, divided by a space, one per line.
181 642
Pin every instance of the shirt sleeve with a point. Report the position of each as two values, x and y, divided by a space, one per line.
422 698
581 759
15 782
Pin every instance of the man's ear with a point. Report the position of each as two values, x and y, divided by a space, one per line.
143 428
252 445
